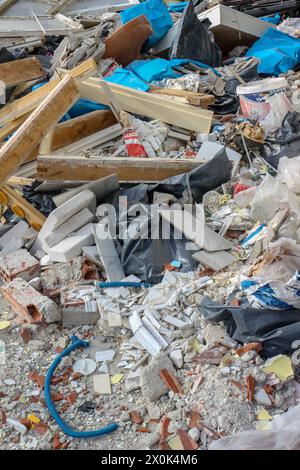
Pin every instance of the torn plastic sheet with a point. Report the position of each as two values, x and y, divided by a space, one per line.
127 78
151 70
277 52
276 295
191 185
194 41
146 257
289 173
283 433
275 329
286 141
157 14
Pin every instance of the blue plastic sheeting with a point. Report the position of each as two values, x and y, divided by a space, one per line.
275 19
82 106
158 69
156 13
276 51
276 295
127 78
177 7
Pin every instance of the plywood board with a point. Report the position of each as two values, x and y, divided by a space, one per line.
19 71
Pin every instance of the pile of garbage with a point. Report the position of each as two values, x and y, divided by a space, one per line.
150 225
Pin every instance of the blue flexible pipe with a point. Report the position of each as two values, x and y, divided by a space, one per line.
105 285
76 343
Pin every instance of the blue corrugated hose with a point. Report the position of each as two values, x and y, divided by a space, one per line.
106 285
76 343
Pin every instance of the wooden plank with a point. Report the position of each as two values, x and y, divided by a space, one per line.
67 132
197 99
21 207
57 167
19 181
150 105
29 102
12 126
89 142
17 149
19 71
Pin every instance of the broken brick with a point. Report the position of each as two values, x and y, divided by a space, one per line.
171 381
135 417
2 416
186 440
164 434
57 396
250 382
213 356
143 430
71 398
26 335
249 347
195 420
41 428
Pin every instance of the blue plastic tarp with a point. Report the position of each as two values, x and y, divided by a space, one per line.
276 51
152 70
275 19
177 6
82 106
127 78
158 15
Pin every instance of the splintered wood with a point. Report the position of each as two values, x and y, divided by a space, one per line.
16 150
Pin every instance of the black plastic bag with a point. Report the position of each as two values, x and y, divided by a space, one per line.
146 257
286 142
193 41
275 329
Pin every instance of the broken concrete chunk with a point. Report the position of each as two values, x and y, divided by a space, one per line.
18 264
176 357
29 304
151 384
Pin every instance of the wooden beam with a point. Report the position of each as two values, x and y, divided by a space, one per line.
57 167
19 71
21 207
197 99
29 102
150 105
17 149
88 142
65 133
12 126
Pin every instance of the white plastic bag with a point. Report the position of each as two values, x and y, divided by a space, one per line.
270 196
289 173
284 434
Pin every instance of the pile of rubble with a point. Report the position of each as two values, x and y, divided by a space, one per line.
150 214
